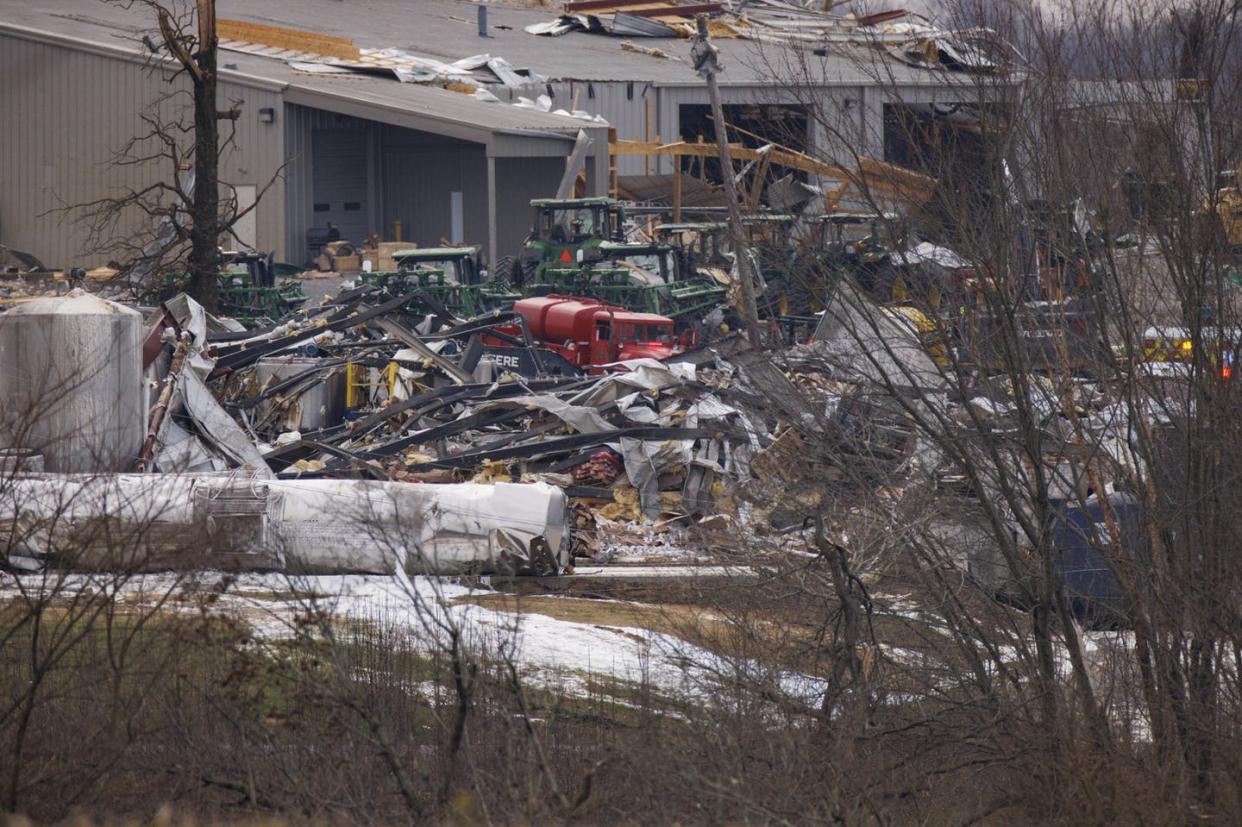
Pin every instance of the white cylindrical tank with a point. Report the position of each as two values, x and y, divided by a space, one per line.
71 383
177 521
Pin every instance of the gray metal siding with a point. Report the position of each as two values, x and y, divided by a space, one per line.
299 176
255 158
517 182
623 104
340 160
68 113
420 172
858 118
415 172
298 179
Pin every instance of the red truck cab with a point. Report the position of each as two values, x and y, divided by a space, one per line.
590 333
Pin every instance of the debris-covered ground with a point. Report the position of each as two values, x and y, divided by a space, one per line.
808 531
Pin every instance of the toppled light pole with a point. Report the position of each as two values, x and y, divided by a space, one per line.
707 63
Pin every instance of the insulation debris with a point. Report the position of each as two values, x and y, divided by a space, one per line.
300 526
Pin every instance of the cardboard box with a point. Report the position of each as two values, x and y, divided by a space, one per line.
342 264
380 255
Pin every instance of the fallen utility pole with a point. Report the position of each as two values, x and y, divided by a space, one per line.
707 63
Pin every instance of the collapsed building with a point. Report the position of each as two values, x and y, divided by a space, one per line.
180 446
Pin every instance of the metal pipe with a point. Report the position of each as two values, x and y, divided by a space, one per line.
161 405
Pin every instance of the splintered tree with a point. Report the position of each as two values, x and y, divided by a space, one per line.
181 134
197 55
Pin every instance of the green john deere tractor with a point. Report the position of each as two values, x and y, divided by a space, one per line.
708 249
802 277
252 288
251 291
700 247
450 275
577 247
564 230
644 277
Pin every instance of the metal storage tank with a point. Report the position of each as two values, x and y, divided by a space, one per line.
71 382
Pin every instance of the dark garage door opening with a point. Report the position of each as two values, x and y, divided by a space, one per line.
752 125
339 162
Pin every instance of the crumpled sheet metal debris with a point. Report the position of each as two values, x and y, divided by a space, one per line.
430 470
216 425
657 426
643 374
181 452
645 460
474 72
867 345
926 252
581 418
408 67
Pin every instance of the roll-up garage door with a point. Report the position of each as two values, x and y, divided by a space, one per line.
339 160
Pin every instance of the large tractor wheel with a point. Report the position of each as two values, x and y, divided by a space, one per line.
508 272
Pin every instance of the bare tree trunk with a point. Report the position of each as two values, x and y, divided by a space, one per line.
204 258
848 670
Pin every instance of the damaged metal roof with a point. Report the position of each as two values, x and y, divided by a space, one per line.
106 28
447 31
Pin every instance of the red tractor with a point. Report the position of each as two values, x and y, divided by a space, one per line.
590 334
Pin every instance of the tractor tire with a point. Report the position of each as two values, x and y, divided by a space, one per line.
508 272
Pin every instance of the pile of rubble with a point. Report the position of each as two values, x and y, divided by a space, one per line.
393 416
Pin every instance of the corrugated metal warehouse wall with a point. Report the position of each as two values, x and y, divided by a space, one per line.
518 180
412 178
638 109
672 98
301 124
69 112
623 104
421 172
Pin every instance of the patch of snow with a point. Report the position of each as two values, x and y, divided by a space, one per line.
552 652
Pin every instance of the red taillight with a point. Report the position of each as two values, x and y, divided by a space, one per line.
1226 372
